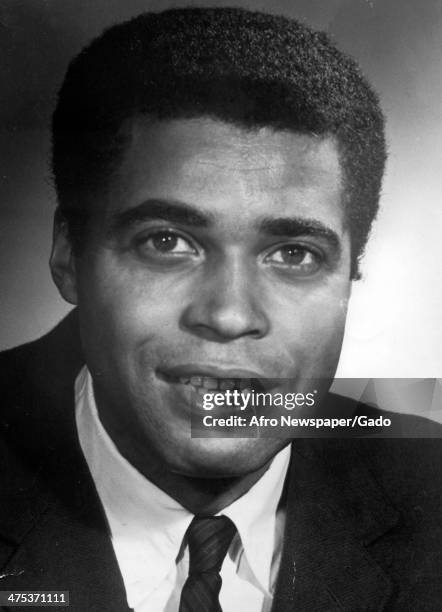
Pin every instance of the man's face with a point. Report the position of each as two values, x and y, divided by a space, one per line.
218 253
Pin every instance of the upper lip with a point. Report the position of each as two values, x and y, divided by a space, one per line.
218 372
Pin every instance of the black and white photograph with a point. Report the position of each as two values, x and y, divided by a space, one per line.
220 305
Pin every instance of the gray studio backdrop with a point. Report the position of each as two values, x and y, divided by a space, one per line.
394 323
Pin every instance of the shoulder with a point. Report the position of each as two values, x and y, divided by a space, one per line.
384 477
409 469
404 459
56 352
36 387
39 368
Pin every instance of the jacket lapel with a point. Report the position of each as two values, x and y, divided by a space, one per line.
333 513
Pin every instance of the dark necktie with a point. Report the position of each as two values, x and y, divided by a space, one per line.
208 539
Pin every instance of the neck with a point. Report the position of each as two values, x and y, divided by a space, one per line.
204 496
201 496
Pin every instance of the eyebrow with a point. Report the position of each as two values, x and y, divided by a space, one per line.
177 212
293 226
172 211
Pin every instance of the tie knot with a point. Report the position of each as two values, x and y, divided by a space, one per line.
209 539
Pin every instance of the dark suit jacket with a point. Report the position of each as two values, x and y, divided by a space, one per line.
363 525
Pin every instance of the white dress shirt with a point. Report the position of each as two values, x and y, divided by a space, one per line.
147 525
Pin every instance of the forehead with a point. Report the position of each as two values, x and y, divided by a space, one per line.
209 163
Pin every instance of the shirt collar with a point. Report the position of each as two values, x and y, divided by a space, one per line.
148 526
254 515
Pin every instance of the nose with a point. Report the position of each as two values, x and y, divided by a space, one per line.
227 304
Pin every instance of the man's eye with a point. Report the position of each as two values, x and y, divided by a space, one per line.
295 258
165 243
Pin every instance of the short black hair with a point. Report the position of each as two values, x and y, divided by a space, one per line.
244 67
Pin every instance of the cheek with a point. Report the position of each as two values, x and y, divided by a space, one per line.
126 303
313 328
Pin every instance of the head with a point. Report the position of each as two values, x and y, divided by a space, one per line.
217 173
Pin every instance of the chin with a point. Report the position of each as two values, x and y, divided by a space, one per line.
227 457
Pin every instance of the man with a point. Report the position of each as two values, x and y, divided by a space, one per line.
217 173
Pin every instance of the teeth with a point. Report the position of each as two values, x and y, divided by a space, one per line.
211 384
226 384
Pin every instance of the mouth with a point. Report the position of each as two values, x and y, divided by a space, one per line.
213 379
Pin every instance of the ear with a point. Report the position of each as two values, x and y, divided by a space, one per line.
62 261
